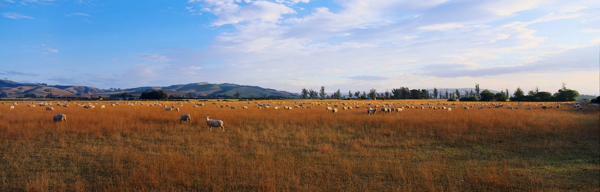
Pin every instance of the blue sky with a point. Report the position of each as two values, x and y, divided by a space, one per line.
293 44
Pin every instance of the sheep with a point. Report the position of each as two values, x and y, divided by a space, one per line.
185 117
49 109
214 123
334 110
371 110
168 109
60 117
176 109
11 107
448 109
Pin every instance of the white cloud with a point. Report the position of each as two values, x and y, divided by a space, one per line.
152 57
78 14
12 15
49 51
258 11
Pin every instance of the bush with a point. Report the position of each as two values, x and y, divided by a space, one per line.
452 99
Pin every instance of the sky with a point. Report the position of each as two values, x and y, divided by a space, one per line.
351 45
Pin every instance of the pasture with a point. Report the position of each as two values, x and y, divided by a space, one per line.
137 146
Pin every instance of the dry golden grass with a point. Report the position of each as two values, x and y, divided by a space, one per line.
144 148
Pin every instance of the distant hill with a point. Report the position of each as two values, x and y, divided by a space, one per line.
15 89
206 90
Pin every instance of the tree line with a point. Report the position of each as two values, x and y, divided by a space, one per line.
563 94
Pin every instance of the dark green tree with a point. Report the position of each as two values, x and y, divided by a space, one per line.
486 95
435 93
500 97
373 94
543 96
322 93
313 94
477 90
305 93
154 94
30 95
237 94
566 95
3 95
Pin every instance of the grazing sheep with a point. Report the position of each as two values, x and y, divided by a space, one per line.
185 117
214 123
168 109
60 117
334 110
448 109
49 109
371 110
11 107
176 109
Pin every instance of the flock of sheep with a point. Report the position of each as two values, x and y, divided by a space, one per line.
332 107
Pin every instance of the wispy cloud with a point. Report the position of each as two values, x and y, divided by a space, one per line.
152 57
13 15
78 14
49 51
368 78
17 73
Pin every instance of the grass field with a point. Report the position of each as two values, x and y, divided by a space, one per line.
145 148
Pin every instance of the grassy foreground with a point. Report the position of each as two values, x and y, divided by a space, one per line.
144 148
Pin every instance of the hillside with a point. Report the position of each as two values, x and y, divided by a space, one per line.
16 90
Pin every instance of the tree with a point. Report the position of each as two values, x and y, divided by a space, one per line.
373 94
500 97
154 94
30 95
322 93
357 94
565 94
304 93
237 94
543 96
518 95
477 90
457 93
337 94
49 95
424 94
435 93
313 94
349 94
596 100
363 95
415 94
486 95
3 95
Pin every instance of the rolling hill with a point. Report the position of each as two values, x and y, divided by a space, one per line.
13 89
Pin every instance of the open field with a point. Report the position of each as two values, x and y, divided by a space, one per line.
142 147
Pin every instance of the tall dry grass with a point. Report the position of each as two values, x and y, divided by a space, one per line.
144 148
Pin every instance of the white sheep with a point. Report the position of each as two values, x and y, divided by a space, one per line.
11 107
60 117
214 123
185 117
49 109
448 109
334 110
371 110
